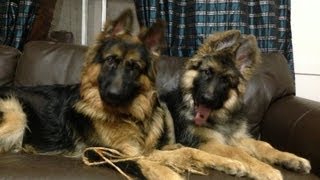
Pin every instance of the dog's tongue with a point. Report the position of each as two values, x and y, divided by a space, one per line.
202 114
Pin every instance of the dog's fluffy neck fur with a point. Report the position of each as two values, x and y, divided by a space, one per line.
137 117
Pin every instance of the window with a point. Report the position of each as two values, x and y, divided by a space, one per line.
83 18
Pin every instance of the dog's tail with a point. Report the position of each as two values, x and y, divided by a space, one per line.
13 123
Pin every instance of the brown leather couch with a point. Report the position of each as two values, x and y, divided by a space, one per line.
276 115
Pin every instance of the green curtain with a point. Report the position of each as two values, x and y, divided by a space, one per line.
16 18
189 22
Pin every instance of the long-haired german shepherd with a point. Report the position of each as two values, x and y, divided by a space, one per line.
208 110
115 105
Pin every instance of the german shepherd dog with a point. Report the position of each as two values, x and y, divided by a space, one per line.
208 111
115 105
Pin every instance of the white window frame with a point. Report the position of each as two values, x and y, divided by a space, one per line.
84 19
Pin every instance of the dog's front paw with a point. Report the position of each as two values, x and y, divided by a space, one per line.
298 164
233 167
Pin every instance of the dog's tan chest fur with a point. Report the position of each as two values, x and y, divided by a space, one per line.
122 135
126 135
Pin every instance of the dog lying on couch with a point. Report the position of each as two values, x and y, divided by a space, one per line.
208 109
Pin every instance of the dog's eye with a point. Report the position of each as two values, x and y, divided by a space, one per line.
207 72
111 59
225 79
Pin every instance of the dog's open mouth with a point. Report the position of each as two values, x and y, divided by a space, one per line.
202 113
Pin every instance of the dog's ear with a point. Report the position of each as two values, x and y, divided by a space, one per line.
122 24
247 54
220 41
153 37
227 39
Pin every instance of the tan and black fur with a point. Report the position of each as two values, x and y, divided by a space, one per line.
208 109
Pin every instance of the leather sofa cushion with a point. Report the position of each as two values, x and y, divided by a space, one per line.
8 62
47 63
168 73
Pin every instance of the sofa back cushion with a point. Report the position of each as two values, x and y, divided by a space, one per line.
8 62
271 82
47 63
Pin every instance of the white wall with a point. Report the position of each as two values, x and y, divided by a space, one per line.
305 24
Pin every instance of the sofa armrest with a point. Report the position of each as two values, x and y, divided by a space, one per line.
292 124
8 62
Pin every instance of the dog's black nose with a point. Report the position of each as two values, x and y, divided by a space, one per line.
206 98
113 97
212 101
114 93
